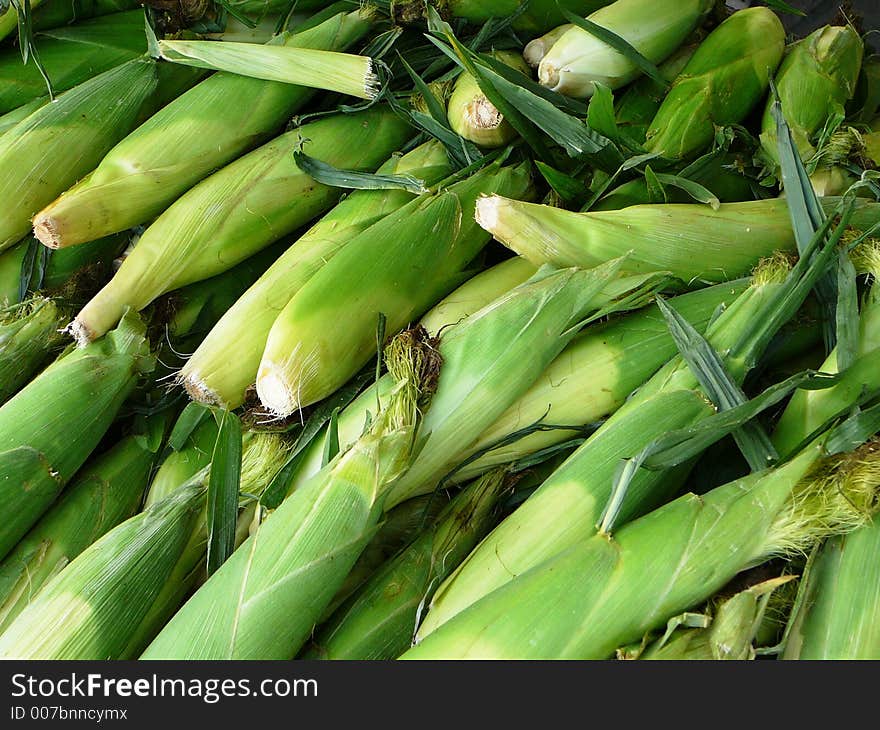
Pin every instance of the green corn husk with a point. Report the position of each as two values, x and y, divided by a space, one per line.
225 365
537 48
568 506
203 130
380 620
717 173
410 259
116 595
100 598
726 77
287 572
51 426
730 634
182 464
28 334
10 119
498 353
472 116
607 591
400 526
692 241
55 13
49 150
71 55
579 59
343 73
593 377
476 293
105 492
196 309
638 104
816 79
240 210
840 614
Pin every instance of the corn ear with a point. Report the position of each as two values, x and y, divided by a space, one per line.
725 78
692 241
840 617
343 73
472 116
287 572
578 59
815 80
98 601
536 49
52 148
28 334
48 429
195 309
238 211
637 105
225 365
807 410
476 293
201 131
105 492
408 260
610 590
380 620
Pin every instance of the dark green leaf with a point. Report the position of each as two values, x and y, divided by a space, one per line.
807 215
854 431
435 107
621 45
656 191
784 7
331 439
812 264
223 486
847 312
711 373
600 113
676 447
694 189
352 179
460 151
188 421
567 104
572 191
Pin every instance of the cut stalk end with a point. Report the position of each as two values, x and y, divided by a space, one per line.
372 84
487 212
274 392
46 232
534 51
81 334
198 391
